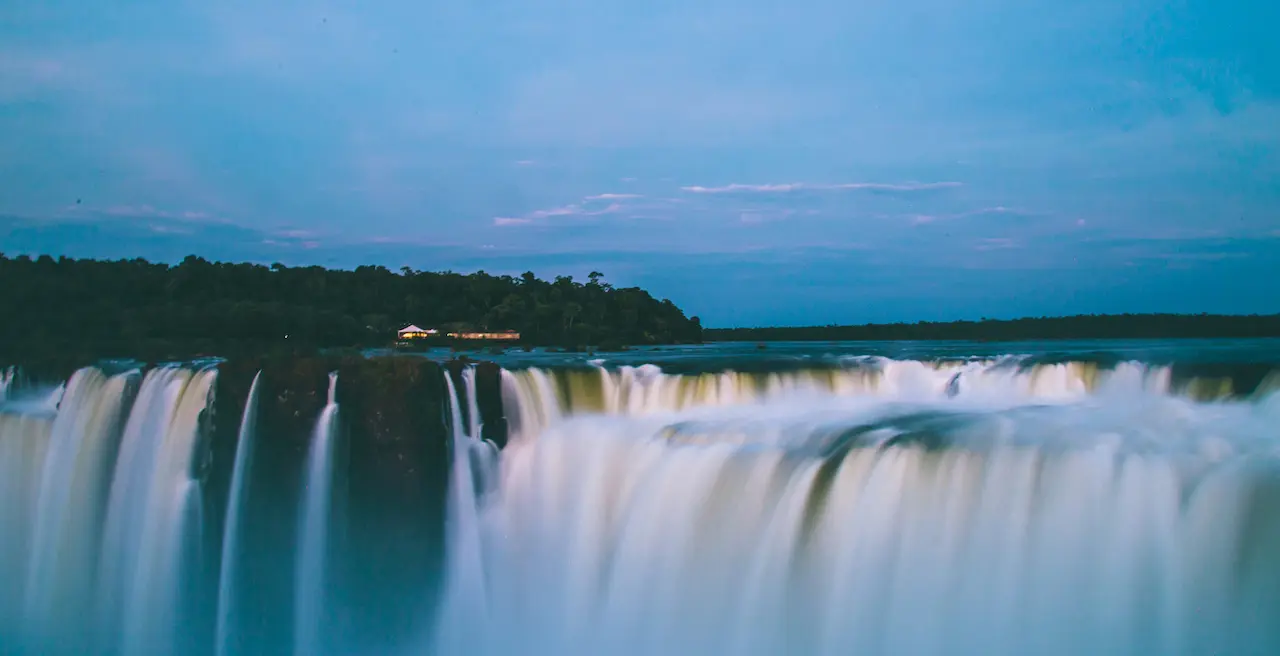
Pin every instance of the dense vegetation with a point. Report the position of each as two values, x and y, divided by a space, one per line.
136 308
1113 326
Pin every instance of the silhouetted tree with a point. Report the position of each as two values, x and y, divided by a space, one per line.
133 307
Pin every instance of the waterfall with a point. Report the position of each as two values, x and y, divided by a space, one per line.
238 494
68 514
313 532
24 441
996 506
472 463
7 377
150 509
98 508
902 507
539 398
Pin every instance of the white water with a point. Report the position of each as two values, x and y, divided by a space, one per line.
231 552
538 398
1061 510
313 532
7 377
82 444
24 440
98 509
472 459
152 510
891 507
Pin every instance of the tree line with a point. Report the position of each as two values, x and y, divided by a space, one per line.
126 308
1090 326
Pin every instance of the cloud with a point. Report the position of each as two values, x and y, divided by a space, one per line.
996 243
526 162
921 219
756 217
143 211
566 210
736 188
295 233
613 207
612 196
169 229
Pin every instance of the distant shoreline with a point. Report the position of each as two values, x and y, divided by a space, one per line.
1102 326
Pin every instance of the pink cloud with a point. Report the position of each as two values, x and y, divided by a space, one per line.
567 210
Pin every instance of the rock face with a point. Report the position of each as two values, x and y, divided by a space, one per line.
489 396
291 394
394 411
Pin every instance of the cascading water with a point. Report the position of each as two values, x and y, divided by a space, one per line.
237 497
903 508
82 443
24 442
7 377
473 466
152 507
313 533
879 507
99 500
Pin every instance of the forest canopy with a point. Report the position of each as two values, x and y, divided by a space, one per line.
1088 326
125 308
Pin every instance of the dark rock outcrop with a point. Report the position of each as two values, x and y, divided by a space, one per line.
394 410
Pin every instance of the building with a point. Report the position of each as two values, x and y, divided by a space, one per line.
413 332
501 335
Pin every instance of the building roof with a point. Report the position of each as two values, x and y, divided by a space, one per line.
411 329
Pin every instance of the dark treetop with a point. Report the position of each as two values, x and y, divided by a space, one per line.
134 308
1114 326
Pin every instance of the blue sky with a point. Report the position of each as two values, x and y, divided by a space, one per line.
757 162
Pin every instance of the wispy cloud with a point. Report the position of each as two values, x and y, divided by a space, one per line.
921 219
526 162
567 210
139 212
575 209
756 217
996 243
295 233
169 229
813 186
612 196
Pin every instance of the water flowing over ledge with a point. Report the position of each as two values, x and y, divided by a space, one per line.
973 505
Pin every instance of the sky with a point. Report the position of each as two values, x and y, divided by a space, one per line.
758 163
